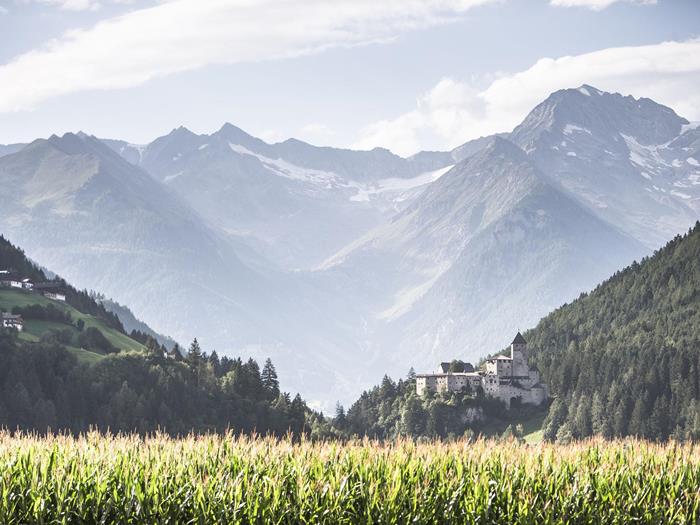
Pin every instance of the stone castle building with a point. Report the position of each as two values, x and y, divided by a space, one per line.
506 378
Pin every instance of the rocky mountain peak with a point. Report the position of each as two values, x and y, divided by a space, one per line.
606 115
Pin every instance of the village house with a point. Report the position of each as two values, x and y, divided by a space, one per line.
508 378
10 279
55 291
12 321
51 290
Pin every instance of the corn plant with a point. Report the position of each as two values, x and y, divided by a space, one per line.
231 479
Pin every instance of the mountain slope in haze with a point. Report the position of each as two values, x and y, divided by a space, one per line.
7 149
131 323
292 201
492 242
623 360
107 225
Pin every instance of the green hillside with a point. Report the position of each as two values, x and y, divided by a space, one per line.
35 328
625 359
82 325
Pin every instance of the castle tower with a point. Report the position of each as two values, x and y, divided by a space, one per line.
518 353
518 345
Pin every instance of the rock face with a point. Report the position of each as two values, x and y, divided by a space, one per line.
630 160
343 265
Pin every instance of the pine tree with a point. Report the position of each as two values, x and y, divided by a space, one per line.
339 421
412 417
269 379
564 435
194 353
599 418
153 348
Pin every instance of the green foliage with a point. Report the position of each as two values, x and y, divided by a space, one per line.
393 409
48 312
229 479
92 339
624 360
44 386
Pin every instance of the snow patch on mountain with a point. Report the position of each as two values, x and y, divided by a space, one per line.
569 129
641 155
285 169
681 195
690 126
170 178
395 184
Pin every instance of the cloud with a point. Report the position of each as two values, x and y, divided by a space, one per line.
271 135
315 132
453 112
73 5
182 35
3 10
597 5
79 5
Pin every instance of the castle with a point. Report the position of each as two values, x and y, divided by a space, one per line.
506 378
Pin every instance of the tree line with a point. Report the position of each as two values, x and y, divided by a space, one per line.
44 386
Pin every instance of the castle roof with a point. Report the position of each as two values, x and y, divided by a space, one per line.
519 340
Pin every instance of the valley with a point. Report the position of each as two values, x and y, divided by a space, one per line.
342 265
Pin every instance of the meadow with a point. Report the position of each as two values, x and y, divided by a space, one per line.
229 479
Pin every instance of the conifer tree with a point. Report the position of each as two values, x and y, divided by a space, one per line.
269 378
194 353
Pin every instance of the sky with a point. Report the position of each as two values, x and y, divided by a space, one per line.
407 75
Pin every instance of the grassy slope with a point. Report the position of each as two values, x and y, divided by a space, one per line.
34 328
530 418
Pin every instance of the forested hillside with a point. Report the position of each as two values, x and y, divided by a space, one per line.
625 359
73 368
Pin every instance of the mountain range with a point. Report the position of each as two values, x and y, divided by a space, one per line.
344 264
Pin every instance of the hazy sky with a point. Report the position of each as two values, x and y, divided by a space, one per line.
403 74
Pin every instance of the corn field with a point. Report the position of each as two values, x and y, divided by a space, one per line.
229 479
